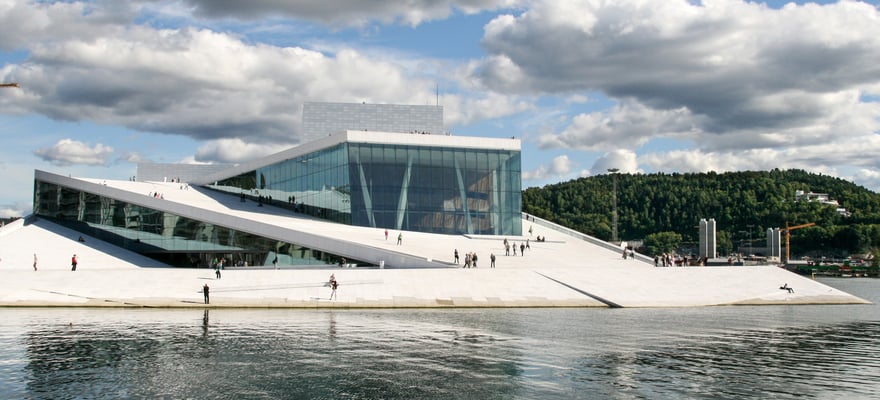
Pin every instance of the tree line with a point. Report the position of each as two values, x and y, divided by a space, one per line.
743 204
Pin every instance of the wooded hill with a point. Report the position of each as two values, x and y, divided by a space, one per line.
740 202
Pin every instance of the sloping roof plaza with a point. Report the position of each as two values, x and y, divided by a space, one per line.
564 271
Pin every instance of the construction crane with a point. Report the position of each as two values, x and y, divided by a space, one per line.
788 230
13 84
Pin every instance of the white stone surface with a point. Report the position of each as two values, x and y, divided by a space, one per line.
564 271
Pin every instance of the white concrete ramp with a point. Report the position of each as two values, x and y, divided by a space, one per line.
564 271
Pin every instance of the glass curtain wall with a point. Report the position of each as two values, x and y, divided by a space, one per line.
166 237
424 189
315 184
436 189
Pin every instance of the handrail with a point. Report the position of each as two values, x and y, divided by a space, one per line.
582 236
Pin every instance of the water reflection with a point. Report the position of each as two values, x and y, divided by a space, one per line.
731 352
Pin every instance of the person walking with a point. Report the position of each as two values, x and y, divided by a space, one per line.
73 263
386 235
205 290
333 285
275 262
35 261
456 256
217 271
492 260
522 249
399 238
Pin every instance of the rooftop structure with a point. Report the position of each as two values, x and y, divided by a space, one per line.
323 119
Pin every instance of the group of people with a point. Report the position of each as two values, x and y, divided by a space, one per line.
522 247
671 260
470 259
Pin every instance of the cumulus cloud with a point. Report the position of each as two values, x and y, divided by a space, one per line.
559 167
15 210
72 152
233 151
210 85
24 23
739 80
345 13
624 161
465 109
819 157
200 83
629 124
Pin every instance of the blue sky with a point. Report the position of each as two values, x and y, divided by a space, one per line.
642 86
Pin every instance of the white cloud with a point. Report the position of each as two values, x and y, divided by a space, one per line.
71 152
560 167
233 151
465 109
629 124
202 84
24 23
732 65
849 153
747 85
623 160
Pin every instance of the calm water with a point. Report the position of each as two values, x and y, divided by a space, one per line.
822 352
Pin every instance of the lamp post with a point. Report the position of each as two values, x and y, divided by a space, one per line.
613 172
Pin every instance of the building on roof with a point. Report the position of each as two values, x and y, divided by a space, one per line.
323 119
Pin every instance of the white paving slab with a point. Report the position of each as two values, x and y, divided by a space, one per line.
562 272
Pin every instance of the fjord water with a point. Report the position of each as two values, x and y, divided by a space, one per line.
710 352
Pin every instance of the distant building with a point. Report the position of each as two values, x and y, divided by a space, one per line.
774 243
823 198
708 238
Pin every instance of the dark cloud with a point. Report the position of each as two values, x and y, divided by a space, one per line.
345 12
725 62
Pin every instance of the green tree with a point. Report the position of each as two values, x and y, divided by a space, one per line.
662 242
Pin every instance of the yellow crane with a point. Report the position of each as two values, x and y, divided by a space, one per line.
13 84
788 230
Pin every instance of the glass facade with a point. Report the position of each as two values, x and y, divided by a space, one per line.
166 237
420 188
